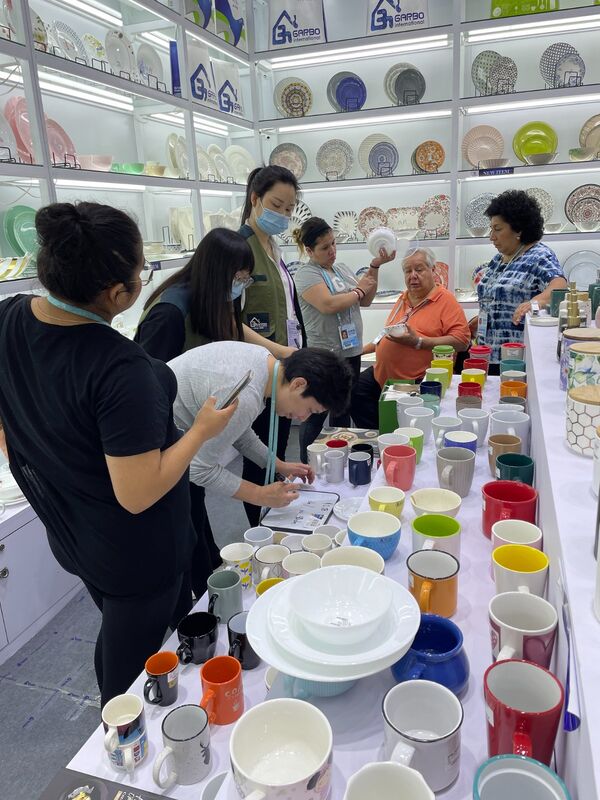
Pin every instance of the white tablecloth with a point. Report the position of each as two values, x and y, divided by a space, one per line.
355 716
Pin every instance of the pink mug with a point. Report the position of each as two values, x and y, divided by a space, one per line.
399 464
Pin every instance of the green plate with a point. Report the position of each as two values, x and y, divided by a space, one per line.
533 138
19 229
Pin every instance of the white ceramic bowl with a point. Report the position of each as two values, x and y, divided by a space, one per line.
553 227
582 153
538 159
340 605
381 237
493 163
435 501
479 233
354 557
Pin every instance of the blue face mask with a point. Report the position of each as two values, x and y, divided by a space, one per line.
237 287
272 222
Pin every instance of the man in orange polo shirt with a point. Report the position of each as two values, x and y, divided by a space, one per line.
432 316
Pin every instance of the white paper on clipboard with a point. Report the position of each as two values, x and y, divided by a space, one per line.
304 514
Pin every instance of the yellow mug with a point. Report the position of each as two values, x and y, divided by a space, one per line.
388 499
438 374
266 584
520 568
446 363
473 376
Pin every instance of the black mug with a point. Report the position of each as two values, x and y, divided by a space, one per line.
364 448
198 635
431 387
239 646
161 686
359 469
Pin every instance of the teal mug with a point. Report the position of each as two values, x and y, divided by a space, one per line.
512 363
515 467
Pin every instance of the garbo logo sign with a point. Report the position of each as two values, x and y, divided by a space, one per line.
287 30
228 99
389 14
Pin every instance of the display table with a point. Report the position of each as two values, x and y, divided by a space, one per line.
355 716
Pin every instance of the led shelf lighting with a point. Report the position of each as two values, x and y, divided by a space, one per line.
515 105
92 8
68 87
534 28
366 119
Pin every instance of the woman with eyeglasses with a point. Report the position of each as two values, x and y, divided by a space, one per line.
88 421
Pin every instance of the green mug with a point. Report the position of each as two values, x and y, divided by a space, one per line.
556 298
515 467
513 363
415 439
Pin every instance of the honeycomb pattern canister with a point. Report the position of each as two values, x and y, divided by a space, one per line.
583 417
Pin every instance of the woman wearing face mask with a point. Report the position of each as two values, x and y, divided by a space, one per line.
331 297
271 306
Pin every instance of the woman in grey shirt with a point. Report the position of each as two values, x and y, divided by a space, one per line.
330 300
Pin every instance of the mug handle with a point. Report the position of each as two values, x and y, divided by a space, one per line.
184 653
211 605
111 740
445 477
401 754
521 744
207 703
235 649
506 653
412 423
424 596
381 507
256 795
128 759
429 544
152 683
523 589
416 672
264 574
160 760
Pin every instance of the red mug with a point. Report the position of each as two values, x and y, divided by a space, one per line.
469 389
480 351
507 500
222 690
337 443
476 363
399 464
523 703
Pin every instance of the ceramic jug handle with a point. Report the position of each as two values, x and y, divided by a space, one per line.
401 754
160 760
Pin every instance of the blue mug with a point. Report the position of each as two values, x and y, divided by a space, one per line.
376 530
431 387
465 439
436 654
359 468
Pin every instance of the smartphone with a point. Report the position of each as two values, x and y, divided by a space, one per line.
237 389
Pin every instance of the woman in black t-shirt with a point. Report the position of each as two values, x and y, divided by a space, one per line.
88 420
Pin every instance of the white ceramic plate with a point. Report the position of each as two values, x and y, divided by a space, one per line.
40 35
241 162
119 53
347 508
149 62
395 634
67 41
205 167
218 159
345 225
181 156
480 143
264 644
581 266
543 322
403 219
94 48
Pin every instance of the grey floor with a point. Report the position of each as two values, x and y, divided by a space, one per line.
48 692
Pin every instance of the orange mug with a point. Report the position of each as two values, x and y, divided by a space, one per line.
222 690
513 389
399 464
433 581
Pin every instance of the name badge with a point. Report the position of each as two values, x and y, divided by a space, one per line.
348 336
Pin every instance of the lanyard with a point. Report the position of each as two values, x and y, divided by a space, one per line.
273 429
329 284
410 313
80 312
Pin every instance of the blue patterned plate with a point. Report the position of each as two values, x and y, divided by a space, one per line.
351 93
383 159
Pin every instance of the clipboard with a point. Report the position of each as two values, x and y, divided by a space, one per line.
304 514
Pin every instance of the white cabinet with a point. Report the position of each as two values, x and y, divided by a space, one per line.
31 581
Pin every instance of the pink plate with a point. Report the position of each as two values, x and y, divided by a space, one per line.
440 272
59 142
14 107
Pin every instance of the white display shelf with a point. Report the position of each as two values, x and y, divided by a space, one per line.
549 238
527 24
388 182
527 171
531 99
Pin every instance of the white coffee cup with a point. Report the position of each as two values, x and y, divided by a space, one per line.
522 626
516 531
238 556
125 737
268 562
422 722
421 418
328 530
318 543
316 457
531 578
340 538
387 439
300 564
442 424
404 402
355 556
282 748
186 736
293 541
258 537
506 407
334 466
515 423
475 420
516 777
387 781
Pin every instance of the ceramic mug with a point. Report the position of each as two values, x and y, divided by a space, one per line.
376 530
436 532
508 364
476 363
512 350
433 581
516 531
442 424
161 686
355 557
432 401
469 389
439 374
316 457
267 562
415 439
523 703
387 439
402 403
198 635
388 499
513 389
517 777
502 405
473 376
340 446
267 584
186 739
500 443
431 387
300 564
387 780
465 439
513 375
334 466
480 351
445 363
596 472
238 557
293 541
328 530
515 467
475 420
518 567
125 736
468 401
224 594
399 464
359 468
258 537
282 748
522 625
455 469
420 417
222 690
507 500
364 447
436 654
318 543
422 722
239 646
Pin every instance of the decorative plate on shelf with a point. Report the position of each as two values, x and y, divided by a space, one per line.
59 142
440 272
332 87
582 267
371 218
545 201
94 48
577 195
403 219
119 53
483 64
413 162
383 159
409 87
534 137
293 97
7 139
241 162
430 156
475 211
480 143
40 34
217 157
351 93
550 59
570 70
367 145
345 225
19 229
300 214
434 217
589 135
334 159
66 40
289 155
205 166
171 151
181 157
21 123
149 62
586 214
389 80
503 76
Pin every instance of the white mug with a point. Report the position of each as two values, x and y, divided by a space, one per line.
125 737
387 781
387 439
328 530
402 403
268 562
334 466
318 543
475 420
522 626
420 417
293 541
316 457
442 424
515 423
513 375
506 407
355 556
186 736
422 722
516 531
530 578
238 556
300 564
258 537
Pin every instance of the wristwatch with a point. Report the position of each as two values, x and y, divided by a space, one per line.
419 343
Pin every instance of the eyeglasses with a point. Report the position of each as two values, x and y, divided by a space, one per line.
147 267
